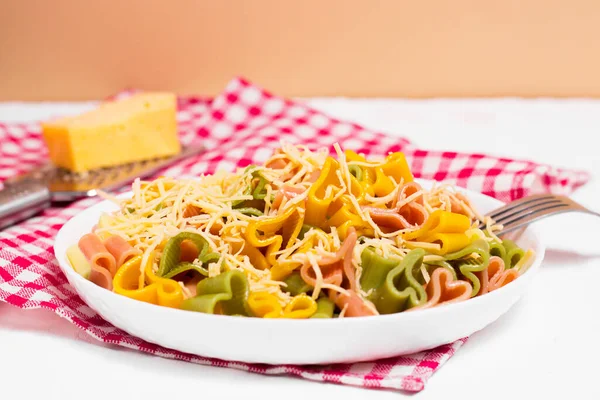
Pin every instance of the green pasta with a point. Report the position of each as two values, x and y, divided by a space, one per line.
468 267
235 204
400 290
325 308
207 258
228 290
304 230
296 285
375 269
185 267
508 251
170 262
497 249
258 193
479 247
433 265
513 253
250 211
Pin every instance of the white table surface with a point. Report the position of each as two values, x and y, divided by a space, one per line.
546 346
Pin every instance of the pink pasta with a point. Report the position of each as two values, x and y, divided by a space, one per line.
443 289
281 163
278 163
332 274
120 249
409 215
354 305
288 192
334 268
495 275
103 263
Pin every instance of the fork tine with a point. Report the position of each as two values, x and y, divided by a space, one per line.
529 215
528 219
521 202
533 205
532 208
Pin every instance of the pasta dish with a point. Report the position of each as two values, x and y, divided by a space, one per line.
305 235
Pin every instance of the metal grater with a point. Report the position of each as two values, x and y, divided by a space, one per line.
30 193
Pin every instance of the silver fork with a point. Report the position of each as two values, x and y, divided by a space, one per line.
533 208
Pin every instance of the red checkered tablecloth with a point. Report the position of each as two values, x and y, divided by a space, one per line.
243 125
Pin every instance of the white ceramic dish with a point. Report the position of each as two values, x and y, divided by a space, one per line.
286 341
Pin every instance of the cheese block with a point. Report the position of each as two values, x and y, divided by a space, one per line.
137 128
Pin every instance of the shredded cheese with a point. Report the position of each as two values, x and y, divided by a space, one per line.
343 312
318 274
159 210
489 225
425 273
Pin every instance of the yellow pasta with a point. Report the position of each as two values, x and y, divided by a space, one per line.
301 306
264 305
321 193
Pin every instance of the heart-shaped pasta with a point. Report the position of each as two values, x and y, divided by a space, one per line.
469 261
392 285
264 233
157 290
180 250
300 307
443 288
264 305
496 275
226 293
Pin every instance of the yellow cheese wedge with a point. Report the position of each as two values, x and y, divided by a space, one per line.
137 128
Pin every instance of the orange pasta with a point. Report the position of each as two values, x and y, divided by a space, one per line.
189 251
191 211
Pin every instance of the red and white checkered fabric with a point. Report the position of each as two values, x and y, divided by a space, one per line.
242 126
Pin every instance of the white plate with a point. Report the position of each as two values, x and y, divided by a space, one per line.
287 341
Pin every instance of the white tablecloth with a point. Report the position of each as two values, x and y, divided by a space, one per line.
544 347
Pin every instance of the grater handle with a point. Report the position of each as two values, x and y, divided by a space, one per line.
22 200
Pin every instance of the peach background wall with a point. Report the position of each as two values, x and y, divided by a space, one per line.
65 49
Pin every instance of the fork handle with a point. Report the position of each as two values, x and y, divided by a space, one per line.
22 200
592 212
